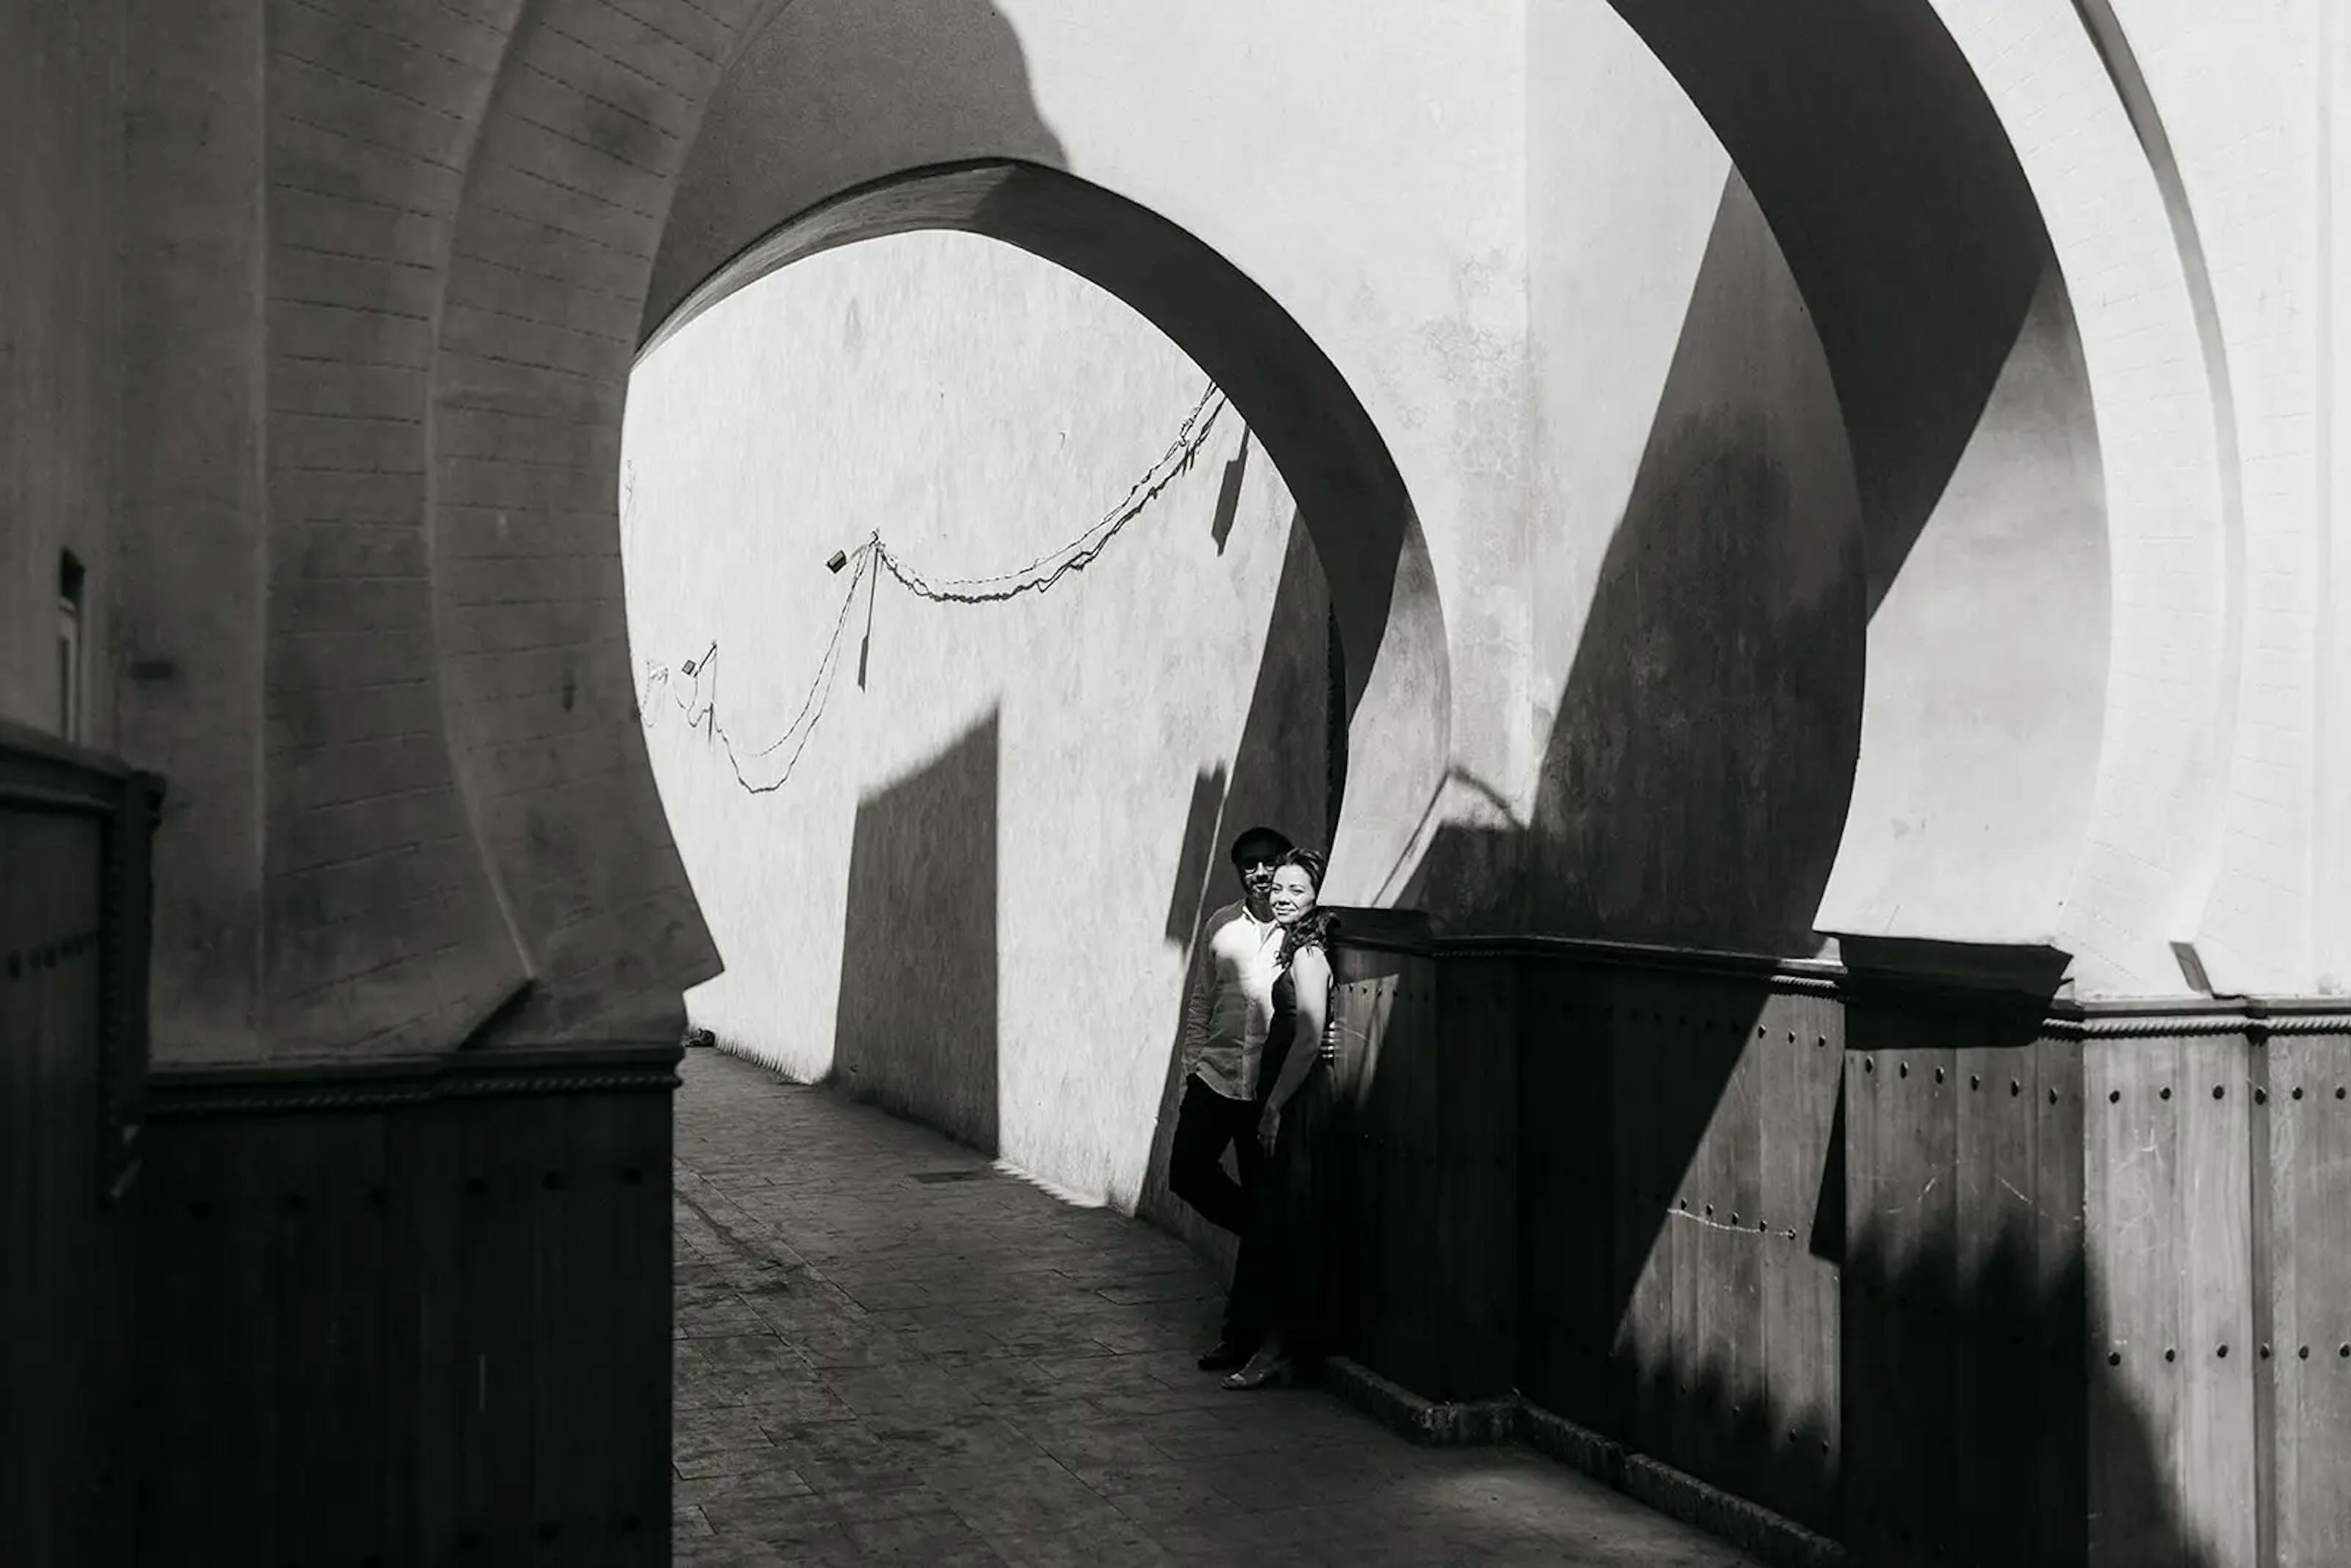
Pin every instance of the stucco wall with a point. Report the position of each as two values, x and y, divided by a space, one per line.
194 572
972 896
61 381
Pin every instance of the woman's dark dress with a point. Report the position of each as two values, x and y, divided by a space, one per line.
1278 1278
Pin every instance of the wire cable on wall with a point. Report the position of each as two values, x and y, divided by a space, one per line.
1038 576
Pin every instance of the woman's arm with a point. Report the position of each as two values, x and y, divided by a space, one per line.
1310 974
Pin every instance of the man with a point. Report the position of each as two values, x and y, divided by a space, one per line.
1226 1010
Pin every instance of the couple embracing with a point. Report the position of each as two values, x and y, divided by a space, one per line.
1255 1026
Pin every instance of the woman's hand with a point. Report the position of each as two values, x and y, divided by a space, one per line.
1269 1128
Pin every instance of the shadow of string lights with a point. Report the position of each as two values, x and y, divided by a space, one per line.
874 558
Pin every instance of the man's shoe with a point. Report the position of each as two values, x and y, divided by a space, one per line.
1229 1353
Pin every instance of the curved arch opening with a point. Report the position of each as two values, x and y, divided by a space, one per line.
1351 606
1350 497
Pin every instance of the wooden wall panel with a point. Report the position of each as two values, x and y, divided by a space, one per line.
427 1320
1872 1415
1802 1044
1567 1310
1385 1021
2050 1081
2214 1468
1992 1241
74 897
2309 1108
1469 1151
1939 1271
1959 1314
53 1269
1649 1173
1705 1033
2131 1201
1677 1130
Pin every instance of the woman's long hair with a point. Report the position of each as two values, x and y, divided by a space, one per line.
1318 926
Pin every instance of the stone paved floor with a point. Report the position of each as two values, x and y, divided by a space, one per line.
877 1364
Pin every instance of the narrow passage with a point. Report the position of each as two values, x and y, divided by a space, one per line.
887 1351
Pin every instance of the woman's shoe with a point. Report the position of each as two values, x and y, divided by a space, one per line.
1260 1374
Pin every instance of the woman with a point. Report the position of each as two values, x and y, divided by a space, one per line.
1277 1285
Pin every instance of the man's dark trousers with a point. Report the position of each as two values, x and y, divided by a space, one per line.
1206 1124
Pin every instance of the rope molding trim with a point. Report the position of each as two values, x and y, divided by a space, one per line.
2258 1019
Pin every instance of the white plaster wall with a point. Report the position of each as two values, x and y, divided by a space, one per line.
979 407
1363 164
2331 877
2237 89
2166 696
60 388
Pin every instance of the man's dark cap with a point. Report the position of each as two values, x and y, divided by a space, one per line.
1273 836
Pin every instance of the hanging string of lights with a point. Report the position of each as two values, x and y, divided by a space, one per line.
875 555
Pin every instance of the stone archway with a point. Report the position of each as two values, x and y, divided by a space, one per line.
527 383
1352 499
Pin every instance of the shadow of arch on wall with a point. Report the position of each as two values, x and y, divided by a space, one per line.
1351 496
1916 241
